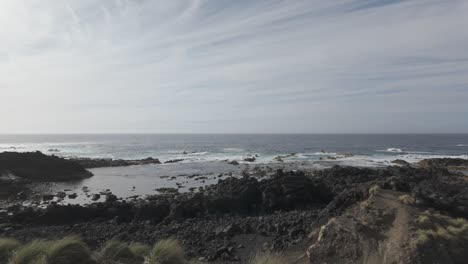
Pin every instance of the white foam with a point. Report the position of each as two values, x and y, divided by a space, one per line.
373 161
324 153
233 150
197 153
394 150
462 145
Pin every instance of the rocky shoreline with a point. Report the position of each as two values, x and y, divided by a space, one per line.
230 221
89 163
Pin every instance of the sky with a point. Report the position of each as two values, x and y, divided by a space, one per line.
223 66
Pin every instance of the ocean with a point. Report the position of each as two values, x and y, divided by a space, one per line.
213 147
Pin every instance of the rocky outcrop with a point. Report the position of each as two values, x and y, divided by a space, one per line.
293 190
36 166
250 159
101 163
173 161
401 162
372 232
242 196
339 178
239 195
444 162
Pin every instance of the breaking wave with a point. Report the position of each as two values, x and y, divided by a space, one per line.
394 150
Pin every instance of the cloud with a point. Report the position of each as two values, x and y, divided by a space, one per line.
261 66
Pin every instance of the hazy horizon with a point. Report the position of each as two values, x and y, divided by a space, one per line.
234 133
230 67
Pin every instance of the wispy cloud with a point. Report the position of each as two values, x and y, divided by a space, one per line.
261 66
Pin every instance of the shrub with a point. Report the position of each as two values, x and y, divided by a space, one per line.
32 253
7 246
434 227
373 190
140 250
167 251
69 250
423 220
407 199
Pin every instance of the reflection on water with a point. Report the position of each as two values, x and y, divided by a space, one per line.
141 180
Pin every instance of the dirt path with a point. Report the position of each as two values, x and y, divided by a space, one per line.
374 231
393 247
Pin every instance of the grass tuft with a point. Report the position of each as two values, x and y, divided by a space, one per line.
140 250
69 250
34 252
115 250
373 190
438 228
7 247
167 251
407 199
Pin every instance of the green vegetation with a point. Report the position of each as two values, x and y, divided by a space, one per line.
445 231
7 247
372 193
167 251
31 253
268 259
140 250
69 250
114 251
373 190
407 199
72 250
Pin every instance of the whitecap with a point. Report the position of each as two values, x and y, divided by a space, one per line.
324 153
462 145
233 150
197 153
394 150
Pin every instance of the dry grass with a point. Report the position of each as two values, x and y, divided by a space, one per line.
364 205
167 251
435 227
268 259
373 190
140 250
72 250
115 251
7 247
31 253
69 250
407 199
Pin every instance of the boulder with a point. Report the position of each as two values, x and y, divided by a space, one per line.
110 198
401 162
250 159
96 197
47 197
